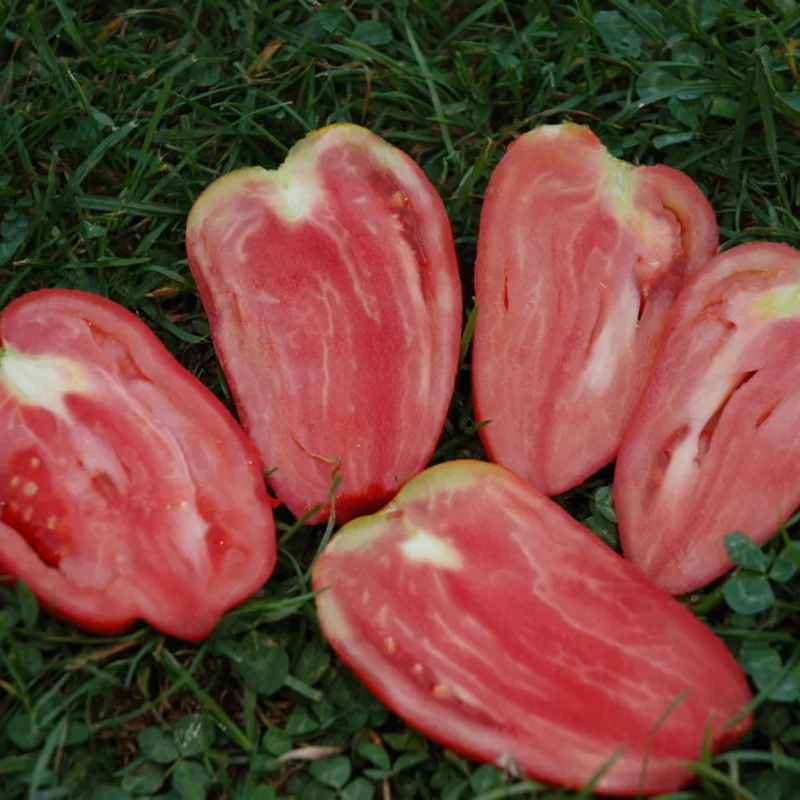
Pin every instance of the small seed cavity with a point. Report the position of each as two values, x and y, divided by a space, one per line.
15 481
441 692
51 523
35 463
27 514
418 669
389 645
30 489
399 199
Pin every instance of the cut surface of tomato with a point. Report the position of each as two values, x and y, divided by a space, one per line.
579 257
127 490
334 300
486 617
713 446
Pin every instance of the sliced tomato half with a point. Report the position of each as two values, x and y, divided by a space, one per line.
579 257
334 300
713 447
487 618
127 490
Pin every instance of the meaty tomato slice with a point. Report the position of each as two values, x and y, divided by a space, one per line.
127 490
579 257
334 300
713 446
489 619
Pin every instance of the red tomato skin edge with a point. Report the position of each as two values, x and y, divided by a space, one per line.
107 627
372 496
324 580
115 626
722 742
688 552
700 239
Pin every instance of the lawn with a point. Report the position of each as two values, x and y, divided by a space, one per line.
115 117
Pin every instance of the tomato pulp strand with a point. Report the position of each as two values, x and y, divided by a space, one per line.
579 257
127 490
712 447
490 620
334 299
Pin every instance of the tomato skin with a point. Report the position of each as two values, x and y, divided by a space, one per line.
579 257
127 490
486 617
334 299
712 446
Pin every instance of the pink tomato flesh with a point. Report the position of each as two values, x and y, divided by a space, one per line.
579 257
490 620
334 299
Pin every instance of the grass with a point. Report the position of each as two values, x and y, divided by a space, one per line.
115 117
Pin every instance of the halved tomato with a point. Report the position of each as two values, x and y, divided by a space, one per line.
486 617
713 447
579 257
127 490
334 299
